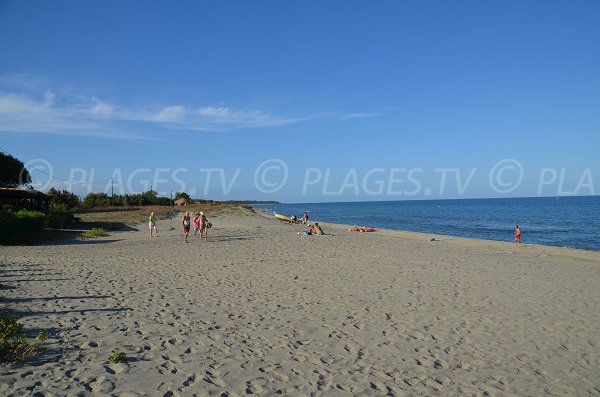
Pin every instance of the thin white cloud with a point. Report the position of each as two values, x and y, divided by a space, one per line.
49 98
101 108
24 114
359 115
33 108
52 113
225 116
170 114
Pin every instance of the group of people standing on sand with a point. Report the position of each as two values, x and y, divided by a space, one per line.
199 223
303 220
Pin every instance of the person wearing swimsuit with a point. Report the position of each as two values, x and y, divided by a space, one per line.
196 223
186 225
203 226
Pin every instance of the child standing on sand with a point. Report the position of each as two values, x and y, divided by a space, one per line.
152 224
186 225
517 235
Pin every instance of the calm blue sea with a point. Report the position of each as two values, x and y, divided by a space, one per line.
566 221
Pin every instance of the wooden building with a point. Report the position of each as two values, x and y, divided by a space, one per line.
17 199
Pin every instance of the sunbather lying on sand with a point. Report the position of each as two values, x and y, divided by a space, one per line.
361 229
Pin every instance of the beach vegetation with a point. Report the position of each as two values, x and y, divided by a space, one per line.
95 232
18 225
102 200
14 344
148 198
62 200
94 200
58 219
25 226
12 171
117 357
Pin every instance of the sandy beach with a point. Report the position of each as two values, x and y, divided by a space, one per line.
260 310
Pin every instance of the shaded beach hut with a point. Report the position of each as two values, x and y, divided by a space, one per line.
23 199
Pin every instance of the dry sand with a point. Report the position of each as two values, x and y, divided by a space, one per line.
261 310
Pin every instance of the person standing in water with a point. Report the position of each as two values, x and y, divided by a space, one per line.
152 224
186 225
517 235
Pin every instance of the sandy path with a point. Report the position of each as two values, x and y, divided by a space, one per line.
260 310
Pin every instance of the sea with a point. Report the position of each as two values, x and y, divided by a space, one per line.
560 221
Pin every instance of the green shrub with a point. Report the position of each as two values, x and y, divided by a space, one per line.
7 220
117 357
14 345
16 225
96 232
94 200
163 201
58 219
30 221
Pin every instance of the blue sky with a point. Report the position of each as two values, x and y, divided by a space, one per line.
305 102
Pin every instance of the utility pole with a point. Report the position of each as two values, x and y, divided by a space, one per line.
112 192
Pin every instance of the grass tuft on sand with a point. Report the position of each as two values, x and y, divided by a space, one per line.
14 345
95 232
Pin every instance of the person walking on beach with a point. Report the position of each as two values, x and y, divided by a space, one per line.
203 226
305 218
196 224
517 235
152 224
186 225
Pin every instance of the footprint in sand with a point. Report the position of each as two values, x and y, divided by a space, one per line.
324 381
102 386
214 378
190 381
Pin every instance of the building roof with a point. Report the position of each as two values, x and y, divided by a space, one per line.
180 202
11 192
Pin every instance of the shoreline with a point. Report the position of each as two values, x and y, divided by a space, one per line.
570 223
445 237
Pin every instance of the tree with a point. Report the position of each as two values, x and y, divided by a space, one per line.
64 199
150 197
12 171
93 200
